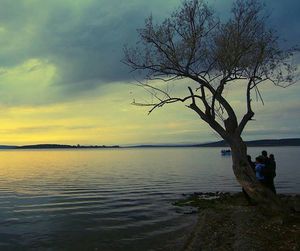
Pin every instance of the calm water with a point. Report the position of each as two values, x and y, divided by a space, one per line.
113 199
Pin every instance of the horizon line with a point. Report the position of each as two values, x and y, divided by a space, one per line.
139 144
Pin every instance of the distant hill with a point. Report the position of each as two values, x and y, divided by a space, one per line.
44 146
7 147
263 142
54 146
222 143
58 146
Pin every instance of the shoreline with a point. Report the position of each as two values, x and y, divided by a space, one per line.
217 144
227 222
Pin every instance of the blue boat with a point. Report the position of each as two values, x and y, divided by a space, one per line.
226 152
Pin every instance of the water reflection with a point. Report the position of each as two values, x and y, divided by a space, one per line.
111 199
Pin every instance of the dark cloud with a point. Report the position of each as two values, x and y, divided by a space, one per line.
84 39
284 17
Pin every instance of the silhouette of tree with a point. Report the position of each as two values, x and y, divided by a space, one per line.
194 44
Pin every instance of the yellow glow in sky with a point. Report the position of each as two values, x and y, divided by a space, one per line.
61 80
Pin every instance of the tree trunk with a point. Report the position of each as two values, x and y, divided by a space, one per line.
246 177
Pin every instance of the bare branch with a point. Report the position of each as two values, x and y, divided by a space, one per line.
193 44
249 114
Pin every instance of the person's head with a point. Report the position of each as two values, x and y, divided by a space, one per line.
272 157
258 160
264 153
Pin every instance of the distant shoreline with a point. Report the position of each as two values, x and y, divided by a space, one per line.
252 143
56 146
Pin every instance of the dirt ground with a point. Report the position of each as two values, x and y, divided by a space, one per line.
227 222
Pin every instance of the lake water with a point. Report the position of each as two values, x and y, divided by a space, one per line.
113 199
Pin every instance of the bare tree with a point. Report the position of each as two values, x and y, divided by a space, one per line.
193 44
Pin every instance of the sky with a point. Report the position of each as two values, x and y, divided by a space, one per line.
62 80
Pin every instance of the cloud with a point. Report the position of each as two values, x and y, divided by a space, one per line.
84 39
284 17
60 65
284 132
28 84
30 130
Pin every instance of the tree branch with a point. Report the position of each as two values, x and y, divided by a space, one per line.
249 115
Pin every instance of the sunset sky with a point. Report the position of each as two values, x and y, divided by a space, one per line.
61 79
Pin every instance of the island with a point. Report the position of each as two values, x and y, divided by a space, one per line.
57 146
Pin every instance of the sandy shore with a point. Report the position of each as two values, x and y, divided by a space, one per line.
227 222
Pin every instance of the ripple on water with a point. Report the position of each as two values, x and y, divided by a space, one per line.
111 200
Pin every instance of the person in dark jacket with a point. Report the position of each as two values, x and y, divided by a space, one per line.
264 157
267 171
271 173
